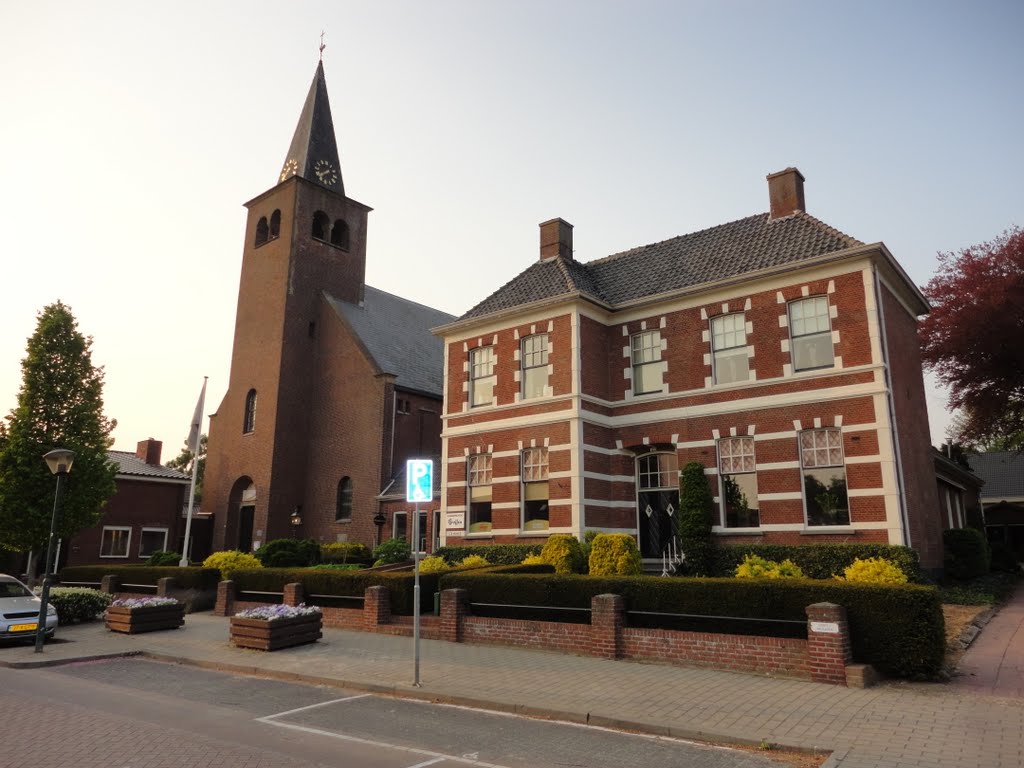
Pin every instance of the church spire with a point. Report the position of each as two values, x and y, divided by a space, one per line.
313 154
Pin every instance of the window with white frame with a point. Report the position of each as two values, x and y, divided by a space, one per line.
535 489
729 344
535 365
115 541
810 332
400 529
646 356
478 472
738 482
481 376
152 540
825 497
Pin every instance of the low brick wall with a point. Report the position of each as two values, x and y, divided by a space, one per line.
775 656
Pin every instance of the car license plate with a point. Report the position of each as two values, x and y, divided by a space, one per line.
22 627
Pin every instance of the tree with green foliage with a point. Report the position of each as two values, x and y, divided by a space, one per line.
183 463
60 405
696 507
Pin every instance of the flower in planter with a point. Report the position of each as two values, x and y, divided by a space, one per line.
144 602
271 612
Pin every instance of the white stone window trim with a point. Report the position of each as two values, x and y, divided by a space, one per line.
475 374
142 535
113 528
788 344
657 346
540 359
745 328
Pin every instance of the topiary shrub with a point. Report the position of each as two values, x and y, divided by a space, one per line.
966 554
161 557
76 604
696 507
614 554
874 570
230 561
564 552
392 551
344 552
434 564
754 567
289 553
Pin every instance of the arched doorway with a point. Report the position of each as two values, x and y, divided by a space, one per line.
657 501
241 515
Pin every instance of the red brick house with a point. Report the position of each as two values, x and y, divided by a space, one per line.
333 383
775 350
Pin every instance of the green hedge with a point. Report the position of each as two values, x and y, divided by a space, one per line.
342 583
817 561
898 629
77 604
966 554
496 554
187 578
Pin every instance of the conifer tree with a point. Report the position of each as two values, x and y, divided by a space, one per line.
60 405
696 505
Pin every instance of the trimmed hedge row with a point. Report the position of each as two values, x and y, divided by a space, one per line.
817 561
342 584
192 577
496 554
898 629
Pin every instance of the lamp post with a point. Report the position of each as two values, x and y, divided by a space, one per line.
296 520
59 460
379 519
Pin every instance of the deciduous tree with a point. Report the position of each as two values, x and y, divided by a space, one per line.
972 339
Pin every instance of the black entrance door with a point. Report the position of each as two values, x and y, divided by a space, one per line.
245 521
659 512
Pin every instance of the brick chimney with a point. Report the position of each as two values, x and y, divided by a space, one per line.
555 239
786 192
149 451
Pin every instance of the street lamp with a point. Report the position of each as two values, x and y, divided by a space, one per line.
59 460
296 518
379 519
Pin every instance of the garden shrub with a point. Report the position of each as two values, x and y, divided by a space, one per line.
162 557
230 561
498 554
563 551
75 604
472 561
696 507
344 552
190 577
434 564
966 554
337 567
874 570
754 567
316 581
817 561
534 560
614 554
392 551
289 553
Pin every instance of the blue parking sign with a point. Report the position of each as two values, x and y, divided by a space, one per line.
419 480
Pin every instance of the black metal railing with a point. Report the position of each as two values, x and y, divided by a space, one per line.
730 625
531 612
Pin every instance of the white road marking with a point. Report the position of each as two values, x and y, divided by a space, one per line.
268 718
428 762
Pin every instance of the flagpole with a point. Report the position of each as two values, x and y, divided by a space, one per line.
197 428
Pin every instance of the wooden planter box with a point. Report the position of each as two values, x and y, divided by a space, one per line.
146 619
266 635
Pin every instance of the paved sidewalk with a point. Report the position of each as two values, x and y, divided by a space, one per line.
994 663
893 725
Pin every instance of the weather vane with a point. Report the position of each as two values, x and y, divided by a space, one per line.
322 45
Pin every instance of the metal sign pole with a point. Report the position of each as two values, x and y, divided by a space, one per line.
416 594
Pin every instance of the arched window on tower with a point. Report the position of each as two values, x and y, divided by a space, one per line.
339 234
275 224
343 508
262 231
249 422
320 225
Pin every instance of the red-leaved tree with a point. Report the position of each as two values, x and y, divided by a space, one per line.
974 338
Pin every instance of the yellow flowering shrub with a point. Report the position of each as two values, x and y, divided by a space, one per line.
564 552
473 561
615 554
755 567
230 561
874 570
434 565
534 560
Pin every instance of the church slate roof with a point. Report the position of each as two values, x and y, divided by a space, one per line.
396 334
130 464
747 245
313 153
1002 471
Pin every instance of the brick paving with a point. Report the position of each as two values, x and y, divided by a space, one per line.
899 724
994 664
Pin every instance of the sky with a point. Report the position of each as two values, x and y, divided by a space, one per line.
134 132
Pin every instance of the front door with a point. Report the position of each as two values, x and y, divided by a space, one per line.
659 511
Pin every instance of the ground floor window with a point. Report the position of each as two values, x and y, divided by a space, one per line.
115 541
400 528
738 487
479 473
152 540
824 474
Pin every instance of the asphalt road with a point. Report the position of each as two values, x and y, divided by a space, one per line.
132 713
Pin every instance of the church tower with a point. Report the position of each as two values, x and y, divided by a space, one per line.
303 239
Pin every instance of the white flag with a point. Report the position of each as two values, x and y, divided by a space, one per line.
197 422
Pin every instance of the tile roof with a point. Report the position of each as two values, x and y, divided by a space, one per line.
130 464
1002 471
747 245
396 334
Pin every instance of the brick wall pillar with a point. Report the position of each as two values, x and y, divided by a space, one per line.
828 643
110 584
454 608
607 618
294 594
166 587
225 605
376 607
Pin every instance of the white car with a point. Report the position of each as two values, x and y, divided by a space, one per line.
19 611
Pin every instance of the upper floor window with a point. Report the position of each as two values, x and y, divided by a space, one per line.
810 333
478 472
343 503
321 225
825 497
262 231
249 421
729 343
535 365
535 489
738 492
481 376
275 224
339 234
646 356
